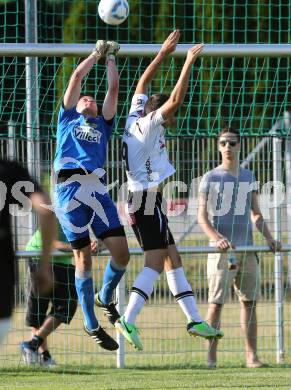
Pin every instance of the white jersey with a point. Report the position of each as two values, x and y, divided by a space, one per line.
144 148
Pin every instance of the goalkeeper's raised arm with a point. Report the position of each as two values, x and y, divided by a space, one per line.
110 102
73 91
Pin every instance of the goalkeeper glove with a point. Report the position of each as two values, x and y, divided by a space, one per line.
100 49
113 48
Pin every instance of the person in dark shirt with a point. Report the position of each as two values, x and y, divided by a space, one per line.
17 189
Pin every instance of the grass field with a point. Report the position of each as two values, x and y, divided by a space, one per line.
166 342
170 360
189 378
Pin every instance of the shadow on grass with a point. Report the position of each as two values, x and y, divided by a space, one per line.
93 370
27 371
221 366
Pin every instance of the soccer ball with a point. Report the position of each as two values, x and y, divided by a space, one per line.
113 12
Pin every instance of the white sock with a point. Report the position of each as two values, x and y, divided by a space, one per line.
4 328
183 293
141 291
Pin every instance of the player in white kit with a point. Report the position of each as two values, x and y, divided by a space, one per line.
147 166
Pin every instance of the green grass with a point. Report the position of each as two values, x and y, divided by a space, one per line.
189 378
163 332
171 359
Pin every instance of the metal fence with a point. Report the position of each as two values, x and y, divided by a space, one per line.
192 157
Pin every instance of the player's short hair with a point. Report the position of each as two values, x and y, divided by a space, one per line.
84 94
230 130
99 108
154 102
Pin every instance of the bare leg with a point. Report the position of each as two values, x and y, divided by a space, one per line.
50 324
155 259
118 248
83 259
249 328
173 260
43 346
213 318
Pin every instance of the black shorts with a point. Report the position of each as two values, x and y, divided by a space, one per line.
82 242
63 297
148 220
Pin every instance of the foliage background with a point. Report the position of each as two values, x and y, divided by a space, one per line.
249 93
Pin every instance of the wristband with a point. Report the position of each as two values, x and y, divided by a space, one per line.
111 57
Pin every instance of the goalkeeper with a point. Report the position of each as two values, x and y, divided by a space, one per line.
14 177
81 197
147 166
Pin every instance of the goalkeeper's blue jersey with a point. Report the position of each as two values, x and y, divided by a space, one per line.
81 141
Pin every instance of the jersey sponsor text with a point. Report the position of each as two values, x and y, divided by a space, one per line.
87 133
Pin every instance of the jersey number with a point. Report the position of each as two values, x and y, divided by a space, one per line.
124 153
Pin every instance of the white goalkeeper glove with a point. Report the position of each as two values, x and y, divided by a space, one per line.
112 50
100 49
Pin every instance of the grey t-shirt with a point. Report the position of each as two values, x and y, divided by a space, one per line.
229 203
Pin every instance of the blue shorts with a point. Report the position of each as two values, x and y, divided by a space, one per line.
77 211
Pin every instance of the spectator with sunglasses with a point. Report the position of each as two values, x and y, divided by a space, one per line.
229 194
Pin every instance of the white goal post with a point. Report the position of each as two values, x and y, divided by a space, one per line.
146 50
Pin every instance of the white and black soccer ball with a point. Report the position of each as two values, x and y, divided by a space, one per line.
113 12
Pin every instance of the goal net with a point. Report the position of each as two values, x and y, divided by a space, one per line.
252 93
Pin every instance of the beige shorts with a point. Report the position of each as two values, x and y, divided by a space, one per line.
245 278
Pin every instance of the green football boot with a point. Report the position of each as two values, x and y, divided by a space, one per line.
130 332
203 329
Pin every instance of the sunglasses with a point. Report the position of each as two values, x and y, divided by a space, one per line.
231 143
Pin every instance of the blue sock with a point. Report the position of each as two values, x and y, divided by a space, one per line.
85 291
111 278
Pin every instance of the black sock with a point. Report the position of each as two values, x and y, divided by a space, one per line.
193 323
35 342
46 355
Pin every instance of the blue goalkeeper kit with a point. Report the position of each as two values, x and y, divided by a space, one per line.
82 139
81 197
83 200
